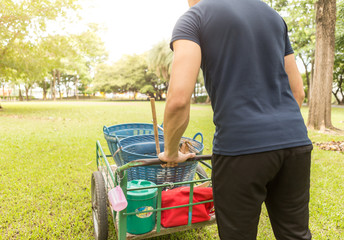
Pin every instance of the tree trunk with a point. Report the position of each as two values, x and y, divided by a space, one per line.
44 90
13 98
319 116
53 90
27 92
208 100
20 95
305 65
340 100
76 87
58 83
335 95
195 97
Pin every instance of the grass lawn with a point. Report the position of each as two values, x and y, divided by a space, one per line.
47 156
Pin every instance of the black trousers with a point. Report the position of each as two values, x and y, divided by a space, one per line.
279 178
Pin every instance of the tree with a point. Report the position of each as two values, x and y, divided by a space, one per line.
31 66
56 49
130 73
278 5
301 27
88 50
21 26
5 77
319 116
45 85
75 56
25 21
160 61
103 78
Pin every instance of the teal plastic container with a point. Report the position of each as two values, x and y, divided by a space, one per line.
138 201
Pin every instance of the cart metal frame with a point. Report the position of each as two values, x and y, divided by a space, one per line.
113 175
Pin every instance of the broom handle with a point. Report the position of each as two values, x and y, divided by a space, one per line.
155 123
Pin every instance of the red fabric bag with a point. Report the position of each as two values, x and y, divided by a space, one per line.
180 196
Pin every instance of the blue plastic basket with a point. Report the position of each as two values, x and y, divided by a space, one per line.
134 141
115 133
143 147
129 129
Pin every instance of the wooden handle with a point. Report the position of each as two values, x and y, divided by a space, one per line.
155 123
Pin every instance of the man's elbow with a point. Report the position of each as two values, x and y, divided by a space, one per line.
303 95
299 96
175 104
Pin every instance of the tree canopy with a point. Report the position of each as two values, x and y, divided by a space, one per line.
30 55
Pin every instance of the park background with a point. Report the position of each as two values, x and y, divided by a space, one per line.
47 147
120 50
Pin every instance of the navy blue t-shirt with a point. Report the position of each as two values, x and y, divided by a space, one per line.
243 44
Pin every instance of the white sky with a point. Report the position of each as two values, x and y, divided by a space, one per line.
133 26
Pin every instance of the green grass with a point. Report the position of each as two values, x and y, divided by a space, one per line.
47 156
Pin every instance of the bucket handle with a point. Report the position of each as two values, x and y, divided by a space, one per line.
198 134
107 131
118 143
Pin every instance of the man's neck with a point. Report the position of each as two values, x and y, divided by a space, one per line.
193 2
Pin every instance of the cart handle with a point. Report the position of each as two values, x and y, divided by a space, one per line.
157 161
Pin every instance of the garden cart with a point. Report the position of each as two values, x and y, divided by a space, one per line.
109 176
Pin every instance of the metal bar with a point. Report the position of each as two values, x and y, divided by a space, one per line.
157 161
105 161
190 202
122 216
97 154
168 208
206 164
160 127
158 223
108 180
167 185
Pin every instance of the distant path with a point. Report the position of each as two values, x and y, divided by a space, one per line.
81 102
85 102
100 102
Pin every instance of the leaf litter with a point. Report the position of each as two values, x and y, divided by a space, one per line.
331 146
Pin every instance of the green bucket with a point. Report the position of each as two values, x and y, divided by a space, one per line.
138 201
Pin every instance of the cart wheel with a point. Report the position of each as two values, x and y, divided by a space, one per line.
201 172
99 206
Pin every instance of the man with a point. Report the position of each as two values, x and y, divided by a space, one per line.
261 151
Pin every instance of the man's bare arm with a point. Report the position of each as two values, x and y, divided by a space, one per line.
185 68
295 79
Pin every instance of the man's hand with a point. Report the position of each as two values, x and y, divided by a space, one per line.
173 161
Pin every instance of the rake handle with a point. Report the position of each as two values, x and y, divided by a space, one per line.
155 123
